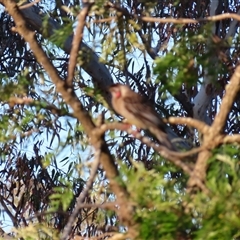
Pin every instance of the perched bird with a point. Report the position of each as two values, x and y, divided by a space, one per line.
137 111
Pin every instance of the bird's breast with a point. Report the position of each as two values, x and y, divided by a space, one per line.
121 109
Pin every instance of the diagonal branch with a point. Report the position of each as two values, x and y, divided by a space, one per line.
81 198
215 131
27 5
98 71
174 157
125 213
231 92
77 39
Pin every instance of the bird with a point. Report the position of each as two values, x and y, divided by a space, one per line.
137 110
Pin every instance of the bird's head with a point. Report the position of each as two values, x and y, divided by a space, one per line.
118 90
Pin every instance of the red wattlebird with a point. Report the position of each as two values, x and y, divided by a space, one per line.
137 111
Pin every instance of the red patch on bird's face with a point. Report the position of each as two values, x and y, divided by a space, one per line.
118 94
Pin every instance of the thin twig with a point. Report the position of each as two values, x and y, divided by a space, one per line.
107 206
28 4
163 151
189 20
76 42
8 212
123 127
169 20
81 198
44 105
199 125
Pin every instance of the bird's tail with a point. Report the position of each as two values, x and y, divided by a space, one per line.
162 138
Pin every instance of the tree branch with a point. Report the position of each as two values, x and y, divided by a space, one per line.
174 157
125 213
199 125
98 71
215 131
231 92
77 39
81 198
171 20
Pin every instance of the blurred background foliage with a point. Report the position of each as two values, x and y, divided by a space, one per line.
45 152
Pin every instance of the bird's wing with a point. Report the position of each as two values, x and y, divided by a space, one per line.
139 106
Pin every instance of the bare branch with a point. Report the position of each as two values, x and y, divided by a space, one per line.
235 138
8 211
189 20
98 71
27 5
163 151
77 39
215 131
81 198
79 112
173 20
199 125
231 92
31 102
